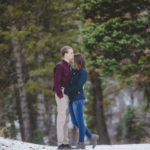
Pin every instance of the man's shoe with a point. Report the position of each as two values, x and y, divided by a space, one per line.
68 146
94 140
62 146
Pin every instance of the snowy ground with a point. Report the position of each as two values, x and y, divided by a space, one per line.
6 144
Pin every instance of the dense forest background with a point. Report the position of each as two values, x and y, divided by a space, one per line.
115 38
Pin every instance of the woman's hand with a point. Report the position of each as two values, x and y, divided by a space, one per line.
62 89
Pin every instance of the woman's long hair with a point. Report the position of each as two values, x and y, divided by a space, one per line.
79 61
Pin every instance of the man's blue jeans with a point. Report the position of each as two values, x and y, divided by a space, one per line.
76 112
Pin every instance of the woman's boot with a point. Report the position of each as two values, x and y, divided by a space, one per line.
94 140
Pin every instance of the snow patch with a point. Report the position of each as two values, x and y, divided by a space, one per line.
7 144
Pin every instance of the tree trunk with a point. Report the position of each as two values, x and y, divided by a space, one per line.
99 111
147 95
24 110
51 123
40 111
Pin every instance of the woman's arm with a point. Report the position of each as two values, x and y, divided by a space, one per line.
79 85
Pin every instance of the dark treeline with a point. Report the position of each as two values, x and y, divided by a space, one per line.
113 35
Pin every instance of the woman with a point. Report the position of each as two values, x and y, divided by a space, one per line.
77 100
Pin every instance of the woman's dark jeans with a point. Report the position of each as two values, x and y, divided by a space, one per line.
76 112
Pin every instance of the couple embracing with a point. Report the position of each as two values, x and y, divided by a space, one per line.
70 98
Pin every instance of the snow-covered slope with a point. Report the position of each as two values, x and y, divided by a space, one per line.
7 144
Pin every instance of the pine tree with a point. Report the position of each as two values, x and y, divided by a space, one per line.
32 33
115 36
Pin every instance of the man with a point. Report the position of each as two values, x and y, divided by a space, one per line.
62 77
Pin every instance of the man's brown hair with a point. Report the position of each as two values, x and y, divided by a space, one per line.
64 50
79 61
